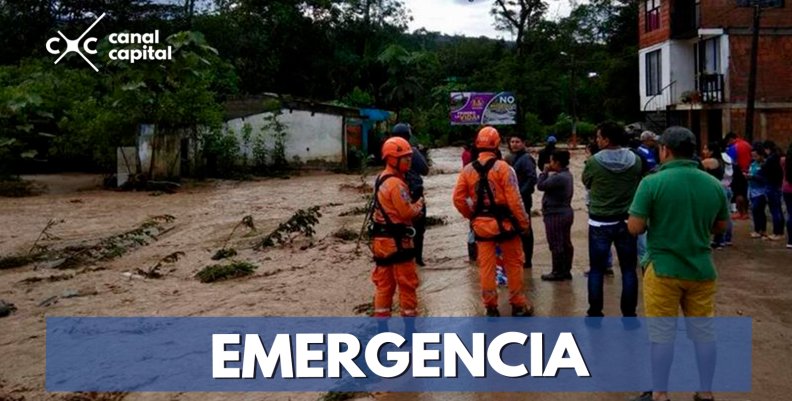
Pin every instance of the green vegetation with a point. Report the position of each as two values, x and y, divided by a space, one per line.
301 223
235 269
351 52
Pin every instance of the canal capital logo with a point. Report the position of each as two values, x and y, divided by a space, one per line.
87 45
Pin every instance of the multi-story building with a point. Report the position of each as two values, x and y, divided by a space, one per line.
695 64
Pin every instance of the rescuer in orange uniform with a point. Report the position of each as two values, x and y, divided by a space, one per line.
391 232
495 208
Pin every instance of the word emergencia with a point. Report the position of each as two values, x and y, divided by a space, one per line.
426 355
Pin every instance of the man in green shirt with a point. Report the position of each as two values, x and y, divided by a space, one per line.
682 206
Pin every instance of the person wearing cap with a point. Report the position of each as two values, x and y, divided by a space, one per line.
392 233
681 206
611 176
648 150
487 194
418 168
544 154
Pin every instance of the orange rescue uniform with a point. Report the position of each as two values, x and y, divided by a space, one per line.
393 197
503 183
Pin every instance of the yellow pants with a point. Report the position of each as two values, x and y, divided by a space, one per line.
663 297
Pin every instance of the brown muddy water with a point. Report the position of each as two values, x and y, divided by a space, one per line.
319 277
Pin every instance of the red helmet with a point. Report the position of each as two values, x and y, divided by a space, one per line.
396 147
487 138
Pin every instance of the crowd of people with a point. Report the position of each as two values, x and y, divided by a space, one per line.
663 203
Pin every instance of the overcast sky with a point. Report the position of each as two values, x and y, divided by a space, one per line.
464 17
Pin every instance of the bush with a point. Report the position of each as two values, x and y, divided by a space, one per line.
586 131
534 130
220 149
225 272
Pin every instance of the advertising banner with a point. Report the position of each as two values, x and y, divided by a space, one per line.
483 108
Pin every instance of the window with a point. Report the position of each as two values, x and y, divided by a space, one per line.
654 76
708 56
652 15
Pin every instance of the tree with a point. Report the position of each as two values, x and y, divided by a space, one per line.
405 72
518 17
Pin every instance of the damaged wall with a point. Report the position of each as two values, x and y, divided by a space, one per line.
312 137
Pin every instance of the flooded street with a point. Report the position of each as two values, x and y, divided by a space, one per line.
319 277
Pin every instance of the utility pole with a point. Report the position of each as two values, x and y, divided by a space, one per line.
573 103
750 105
574 106
751 101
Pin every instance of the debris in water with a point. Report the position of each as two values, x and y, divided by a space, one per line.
224 272
224 253
6 308
302 222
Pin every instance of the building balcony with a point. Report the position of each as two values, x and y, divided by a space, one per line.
710 88
684 19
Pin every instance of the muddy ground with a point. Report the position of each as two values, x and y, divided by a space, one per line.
319 277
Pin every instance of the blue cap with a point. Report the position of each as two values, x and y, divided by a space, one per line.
402 130
551 139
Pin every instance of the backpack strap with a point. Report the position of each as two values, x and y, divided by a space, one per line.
389 229
486 206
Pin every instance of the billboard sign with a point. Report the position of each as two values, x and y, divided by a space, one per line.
483 108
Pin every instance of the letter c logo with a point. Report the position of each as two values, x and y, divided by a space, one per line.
49 46
88 49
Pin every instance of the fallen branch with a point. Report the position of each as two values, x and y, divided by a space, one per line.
302 222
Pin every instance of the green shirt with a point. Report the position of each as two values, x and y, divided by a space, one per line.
681 204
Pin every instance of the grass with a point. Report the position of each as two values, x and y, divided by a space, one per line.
210 274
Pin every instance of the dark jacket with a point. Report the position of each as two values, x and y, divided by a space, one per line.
413 177
558 189
544 155
773 172
525 167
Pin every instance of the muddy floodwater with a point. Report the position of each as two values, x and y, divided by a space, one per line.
323 276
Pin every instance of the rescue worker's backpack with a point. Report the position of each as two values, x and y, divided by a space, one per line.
389 229
486 206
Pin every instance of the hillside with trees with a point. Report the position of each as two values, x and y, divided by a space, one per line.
353 52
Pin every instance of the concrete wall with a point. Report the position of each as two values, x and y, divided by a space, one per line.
665 98
312 137
683 68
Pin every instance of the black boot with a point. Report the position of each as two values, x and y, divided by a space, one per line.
555 276
522 311
492 311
